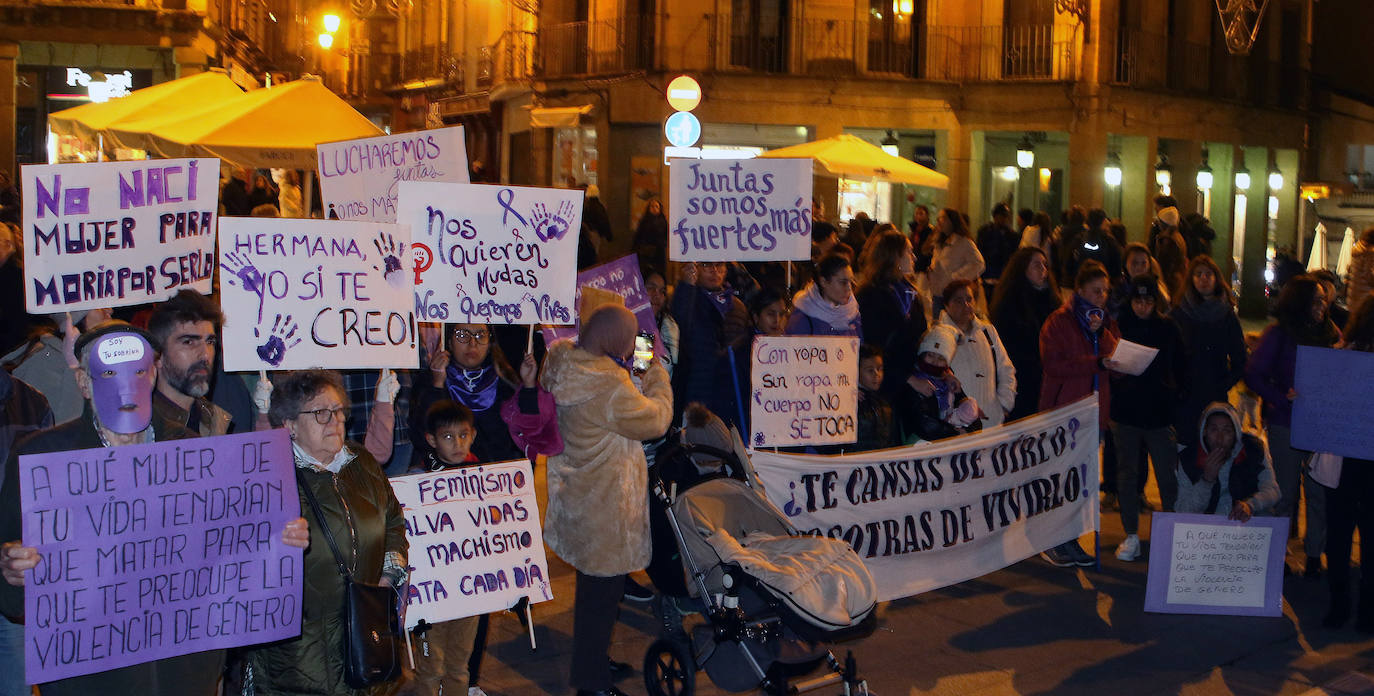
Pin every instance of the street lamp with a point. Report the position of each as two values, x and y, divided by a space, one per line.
331 23
1025 154
1112 172
890 144
1275 179
1243 178
1164 174
1204 173
326 40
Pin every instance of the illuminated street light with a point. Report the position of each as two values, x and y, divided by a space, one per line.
1025 154
1243 178
890 144
1112 172
331 23
1275 179
1204 173
1164 174
326 40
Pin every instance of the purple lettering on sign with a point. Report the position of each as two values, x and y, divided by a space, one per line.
621 277
159 550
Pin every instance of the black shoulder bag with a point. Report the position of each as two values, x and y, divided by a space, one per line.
371 614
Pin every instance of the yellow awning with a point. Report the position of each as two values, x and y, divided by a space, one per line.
174 97
273 127
854 158
558 117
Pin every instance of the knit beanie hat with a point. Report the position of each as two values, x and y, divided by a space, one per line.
941 340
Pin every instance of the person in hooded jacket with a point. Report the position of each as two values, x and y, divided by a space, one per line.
827 307
598 514
1213 342
1302 321
1025 297
1227 471
1143 406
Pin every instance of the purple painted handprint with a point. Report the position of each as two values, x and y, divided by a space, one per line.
552 226
279 340
391 254
240 269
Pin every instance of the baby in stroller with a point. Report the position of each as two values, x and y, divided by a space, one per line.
770 599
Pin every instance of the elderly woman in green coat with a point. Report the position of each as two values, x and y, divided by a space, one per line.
365 518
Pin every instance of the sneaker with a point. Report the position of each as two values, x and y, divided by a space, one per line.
1129 550
1079 556
1057 556
636 592
476 691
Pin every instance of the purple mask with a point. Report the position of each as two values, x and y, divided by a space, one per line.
121 371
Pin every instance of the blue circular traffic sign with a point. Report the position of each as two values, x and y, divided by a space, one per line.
683 129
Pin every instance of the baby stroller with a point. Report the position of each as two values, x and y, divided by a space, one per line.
771 599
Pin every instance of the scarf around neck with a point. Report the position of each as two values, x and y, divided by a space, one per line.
475 389
839 317
905 294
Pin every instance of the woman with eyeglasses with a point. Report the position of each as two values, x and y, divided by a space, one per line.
364 518
514 416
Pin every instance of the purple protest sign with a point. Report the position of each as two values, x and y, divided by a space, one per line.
158 550
621 277
1207 564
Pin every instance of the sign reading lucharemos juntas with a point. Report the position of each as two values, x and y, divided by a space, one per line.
938 513
157 550
111 234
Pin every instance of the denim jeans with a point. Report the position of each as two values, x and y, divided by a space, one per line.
12 659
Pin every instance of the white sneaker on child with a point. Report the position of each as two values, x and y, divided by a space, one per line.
1129 550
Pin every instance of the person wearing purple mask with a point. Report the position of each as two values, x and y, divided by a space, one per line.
116 375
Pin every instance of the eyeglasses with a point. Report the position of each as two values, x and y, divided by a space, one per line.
465 336
324 416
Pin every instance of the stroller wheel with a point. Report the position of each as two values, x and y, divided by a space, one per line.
669 670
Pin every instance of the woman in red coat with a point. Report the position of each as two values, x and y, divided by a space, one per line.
1076 342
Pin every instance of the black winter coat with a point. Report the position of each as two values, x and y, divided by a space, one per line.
1149 399
1214 354
1018 321
898 334
703 369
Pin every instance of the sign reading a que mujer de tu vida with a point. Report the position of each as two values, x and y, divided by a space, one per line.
1207 564
938 513
111 234
360 179
492 254
804 391
316 293
157 550
475 543
739 210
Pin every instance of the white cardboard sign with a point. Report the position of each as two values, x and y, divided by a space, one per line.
739 210
110 234
360 179
493 254
316 293
805 390
475 542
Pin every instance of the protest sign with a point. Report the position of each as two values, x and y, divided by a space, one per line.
475 543
1331 412
111 234
360 179
805 390
621 277
158 550
739 210
316 293
939 513
492 254
1207 564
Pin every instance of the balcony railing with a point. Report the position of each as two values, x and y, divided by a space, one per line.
1155 61
624 44
432 62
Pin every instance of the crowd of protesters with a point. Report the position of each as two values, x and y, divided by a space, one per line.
959 331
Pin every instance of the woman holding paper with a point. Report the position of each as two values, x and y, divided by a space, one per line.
1142 411
1302 321
1080 338
365 520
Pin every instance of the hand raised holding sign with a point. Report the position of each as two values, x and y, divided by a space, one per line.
438 367
15 560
